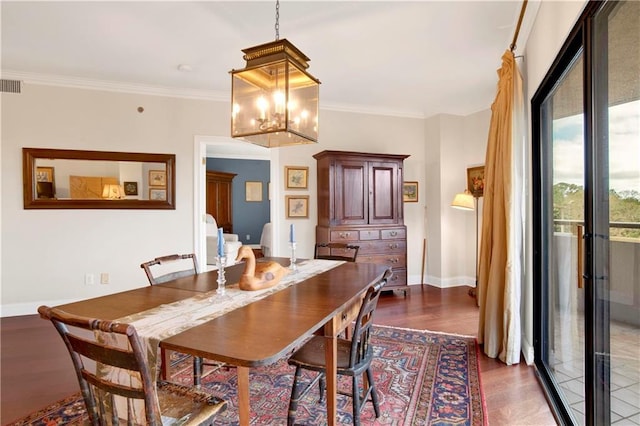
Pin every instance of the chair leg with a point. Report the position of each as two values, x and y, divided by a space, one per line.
357 400
295 398
374 393
323 386
197 371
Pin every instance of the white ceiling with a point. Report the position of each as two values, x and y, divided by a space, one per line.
415 59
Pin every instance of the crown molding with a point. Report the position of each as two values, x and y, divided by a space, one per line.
210 95
114 86
362 109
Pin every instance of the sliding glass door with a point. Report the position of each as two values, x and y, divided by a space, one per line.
586 128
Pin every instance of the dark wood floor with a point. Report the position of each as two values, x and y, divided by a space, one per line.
36 369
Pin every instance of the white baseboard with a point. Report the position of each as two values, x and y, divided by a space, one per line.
443 283
29 308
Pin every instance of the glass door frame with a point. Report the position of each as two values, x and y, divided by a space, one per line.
585 39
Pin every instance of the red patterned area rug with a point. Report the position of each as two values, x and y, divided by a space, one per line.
422 378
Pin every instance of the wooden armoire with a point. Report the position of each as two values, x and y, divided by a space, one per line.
219 199
360 202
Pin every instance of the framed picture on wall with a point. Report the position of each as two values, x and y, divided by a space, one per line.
130 188
44 174
410 192
296 177
157 178
253 191
157 194
475 181
297 206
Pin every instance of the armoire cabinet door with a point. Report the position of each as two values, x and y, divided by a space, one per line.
351 200
383 196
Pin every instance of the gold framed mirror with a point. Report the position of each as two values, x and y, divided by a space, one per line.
76 179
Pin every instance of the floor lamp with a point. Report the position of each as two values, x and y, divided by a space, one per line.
466 201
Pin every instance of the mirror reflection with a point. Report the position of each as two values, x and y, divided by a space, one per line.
113 180
97 179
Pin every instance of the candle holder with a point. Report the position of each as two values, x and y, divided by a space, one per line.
292 259
221 262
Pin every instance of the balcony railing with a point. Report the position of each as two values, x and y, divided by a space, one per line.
624 267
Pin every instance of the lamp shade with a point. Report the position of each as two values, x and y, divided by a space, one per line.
274 100
112 191
463 201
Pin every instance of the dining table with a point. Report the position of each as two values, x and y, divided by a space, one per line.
250 329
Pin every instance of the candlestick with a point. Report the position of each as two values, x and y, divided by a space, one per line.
221 261
292 259
220 243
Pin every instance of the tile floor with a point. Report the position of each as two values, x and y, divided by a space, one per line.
568 362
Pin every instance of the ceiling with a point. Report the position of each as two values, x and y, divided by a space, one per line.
413 59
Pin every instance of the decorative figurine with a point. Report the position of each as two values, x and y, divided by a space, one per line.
261 275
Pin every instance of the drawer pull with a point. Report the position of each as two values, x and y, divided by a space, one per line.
393 246
344 316
393 233
344 234
393 260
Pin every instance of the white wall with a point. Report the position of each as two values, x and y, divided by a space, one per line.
455 143
553 23
46 253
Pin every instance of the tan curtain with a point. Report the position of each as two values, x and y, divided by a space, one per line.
500 275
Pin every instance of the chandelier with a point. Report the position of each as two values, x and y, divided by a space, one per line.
274 100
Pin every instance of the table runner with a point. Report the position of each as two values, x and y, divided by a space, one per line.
170 319
164 321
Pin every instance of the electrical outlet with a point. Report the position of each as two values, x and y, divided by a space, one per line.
248 237
104 278
89 279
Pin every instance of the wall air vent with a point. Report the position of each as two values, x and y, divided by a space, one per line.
10 86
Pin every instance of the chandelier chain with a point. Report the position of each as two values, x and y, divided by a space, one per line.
277 20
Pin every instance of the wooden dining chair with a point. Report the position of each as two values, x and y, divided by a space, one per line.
171 267
115 380
336 251
354 359
167 268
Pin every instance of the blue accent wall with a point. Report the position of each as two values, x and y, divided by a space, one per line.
248 217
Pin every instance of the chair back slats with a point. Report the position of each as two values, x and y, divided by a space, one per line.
114 388
163 269
336 251
116 357
360 347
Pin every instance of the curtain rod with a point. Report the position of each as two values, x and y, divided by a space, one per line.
515 35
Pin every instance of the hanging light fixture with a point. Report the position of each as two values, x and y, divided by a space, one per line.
274 100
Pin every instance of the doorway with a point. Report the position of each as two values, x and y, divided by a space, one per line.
224 148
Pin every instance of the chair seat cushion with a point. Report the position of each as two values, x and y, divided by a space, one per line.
312 356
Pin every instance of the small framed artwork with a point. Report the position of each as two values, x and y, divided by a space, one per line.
410 192
475 181
253 191
296 177
157 194
130 188
44 174
157 178
297 206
